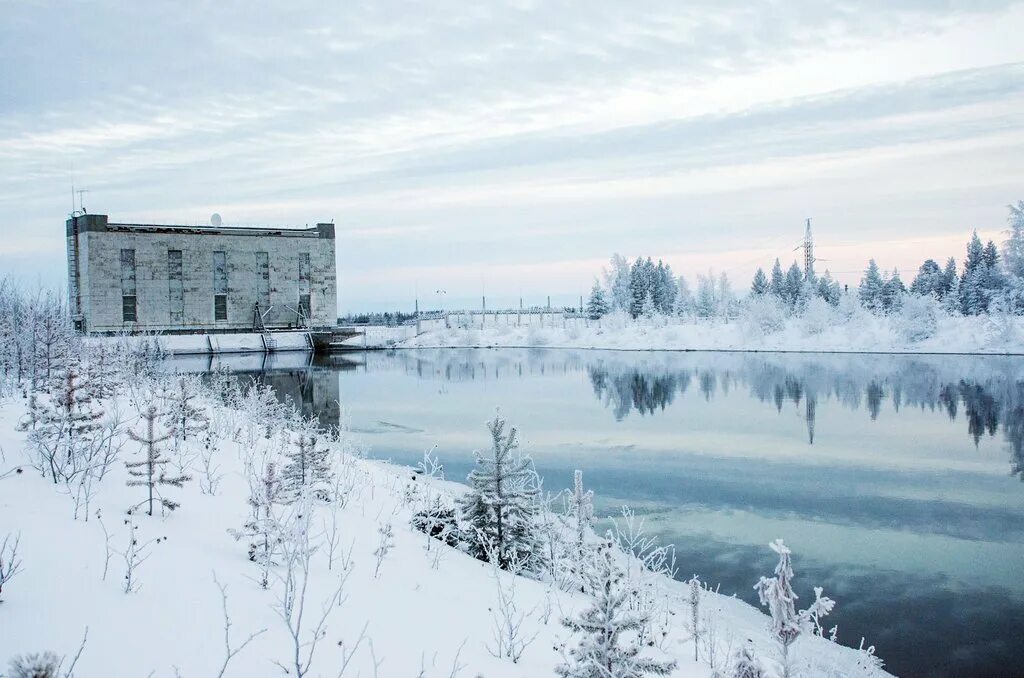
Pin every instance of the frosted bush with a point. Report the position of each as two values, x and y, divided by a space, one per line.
536 336
763 315
849 309
918 317
817 316
44 665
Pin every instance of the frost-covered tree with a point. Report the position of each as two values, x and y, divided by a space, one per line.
950 280
183 416
892 291
641 285
616 280
778 282
792 285
778 595
745 664
1013 246
597 305
928 280
580 511
263 529
501 507
973 292
62 424
309 468
828 289
684 298
149 472
705 304
871 292
664 289
610 646
760 284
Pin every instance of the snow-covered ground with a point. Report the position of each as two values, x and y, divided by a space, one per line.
431 611
864 332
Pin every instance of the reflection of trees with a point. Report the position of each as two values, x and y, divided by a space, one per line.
987 401
640 391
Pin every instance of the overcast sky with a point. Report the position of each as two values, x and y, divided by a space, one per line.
507 148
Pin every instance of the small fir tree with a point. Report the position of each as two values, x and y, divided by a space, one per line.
308 469
150 473
745 664
263 529
501 507
610 646
183 416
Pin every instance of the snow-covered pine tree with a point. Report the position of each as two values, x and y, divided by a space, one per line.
149 473
641 285
778 282
928 280
871 288
892 291
684 298
793 284
309 468
828 289
777 593
706 303
1013 246
581 515
609 647
183 416
951 299
745 664
950 280
501 506
760 285
597 305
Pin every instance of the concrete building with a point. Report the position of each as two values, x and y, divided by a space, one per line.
175 279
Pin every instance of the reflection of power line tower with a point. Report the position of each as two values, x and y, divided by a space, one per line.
808 248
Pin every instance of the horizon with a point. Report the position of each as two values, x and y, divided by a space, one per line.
510 149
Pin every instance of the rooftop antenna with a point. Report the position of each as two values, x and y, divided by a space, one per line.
81 205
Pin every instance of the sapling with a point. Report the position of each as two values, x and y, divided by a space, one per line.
581 513
501 506
149 473
745 664
386 543
10 563
777 593
609 645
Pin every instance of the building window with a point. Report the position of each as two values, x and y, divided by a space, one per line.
304 270
129 310
220 286
263 280
175 287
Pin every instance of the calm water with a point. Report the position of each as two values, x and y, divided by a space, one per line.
896 480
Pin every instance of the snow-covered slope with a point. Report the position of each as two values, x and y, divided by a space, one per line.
430 612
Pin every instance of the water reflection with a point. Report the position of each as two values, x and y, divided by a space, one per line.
860 462
992 401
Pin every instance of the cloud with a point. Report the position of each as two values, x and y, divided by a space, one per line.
421 126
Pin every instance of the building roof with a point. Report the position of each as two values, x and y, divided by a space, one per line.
100 223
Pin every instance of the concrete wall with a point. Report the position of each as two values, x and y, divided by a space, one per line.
100 276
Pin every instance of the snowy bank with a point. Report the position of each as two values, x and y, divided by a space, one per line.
377 597
862 332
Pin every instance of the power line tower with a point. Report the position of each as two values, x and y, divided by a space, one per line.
808 248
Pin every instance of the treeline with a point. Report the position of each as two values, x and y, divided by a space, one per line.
990 280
